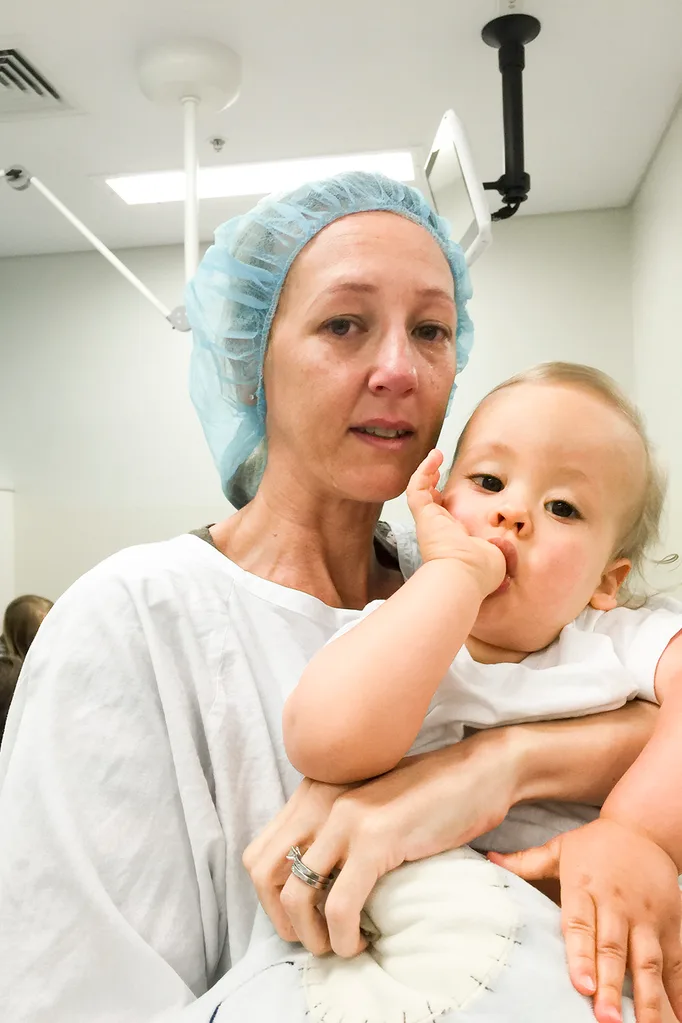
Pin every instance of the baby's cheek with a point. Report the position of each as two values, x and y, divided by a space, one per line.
467 510
565 575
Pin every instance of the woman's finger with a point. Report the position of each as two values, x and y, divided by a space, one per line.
612 953
269 879
646 966
346 901
578 923
301 902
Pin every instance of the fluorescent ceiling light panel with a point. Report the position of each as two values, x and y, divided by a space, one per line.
256 178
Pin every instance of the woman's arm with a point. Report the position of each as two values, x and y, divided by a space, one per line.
362 699
579 760
432 803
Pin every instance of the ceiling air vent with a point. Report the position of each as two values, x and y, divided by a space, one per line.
24 91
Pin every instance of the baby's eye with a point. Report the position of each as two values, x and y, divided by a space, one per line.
563 510
490 483
432 332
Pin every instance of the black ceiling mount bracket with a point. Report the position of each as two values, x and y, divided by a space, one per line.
510 34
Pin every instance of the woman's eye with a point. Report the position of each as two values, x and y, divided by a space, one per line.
563 510
490 483
432 332
340 326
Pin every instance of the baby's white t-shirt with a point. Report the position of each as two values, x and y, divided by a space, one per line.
598 662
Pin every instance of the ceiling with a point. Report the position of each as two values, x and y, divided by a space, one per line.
323 77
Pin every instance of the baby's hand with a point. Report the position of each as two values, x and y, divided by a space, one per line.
440 535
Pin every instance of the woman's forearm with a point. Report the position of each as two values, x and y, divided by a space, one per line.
579 760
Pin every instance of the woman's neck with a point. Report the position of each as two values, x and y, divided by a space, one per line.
319 545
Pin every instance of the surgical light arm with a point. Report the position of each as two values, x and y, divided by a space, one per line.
19 179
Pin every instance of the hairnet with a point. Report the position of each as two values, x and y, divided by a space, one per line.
233 297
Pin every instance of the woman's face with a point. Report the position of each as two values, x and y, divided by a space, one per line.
361 358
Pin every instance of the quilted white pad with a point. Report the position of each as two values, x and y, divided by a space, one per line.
446 927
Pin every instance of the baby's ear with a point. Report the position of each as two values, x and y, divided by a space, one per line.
605 597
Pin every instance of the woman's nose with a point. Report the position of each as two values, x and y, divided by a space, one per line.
395 371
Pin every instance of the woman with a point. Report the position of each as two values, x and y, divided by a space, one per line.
144 752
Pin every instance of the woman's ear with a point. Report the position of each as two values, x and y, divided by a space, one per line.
605 597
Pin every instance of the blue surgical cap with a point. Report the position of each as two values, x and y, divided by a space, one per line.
232 300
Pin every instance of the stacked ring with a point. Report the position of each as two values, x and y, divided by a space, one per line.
306 874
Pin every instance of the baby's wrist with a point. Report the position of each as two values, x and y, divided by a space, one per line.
625 820
466 567
460 571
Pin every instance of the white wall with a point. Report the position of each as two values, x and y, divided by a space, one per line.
97 434
657 315
550 287
7 582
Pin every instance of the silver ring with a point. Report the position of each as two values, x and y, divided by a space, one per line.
306 874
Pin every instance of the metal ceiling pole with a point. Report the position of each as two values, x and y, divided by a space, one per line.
190 105
190 72
20 179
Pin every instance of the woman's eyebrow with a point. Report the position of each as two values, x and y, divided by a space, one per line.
436 293
350 285
366 287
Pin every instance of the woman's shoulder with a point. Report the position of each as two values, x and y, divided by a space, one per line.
152 573
132 611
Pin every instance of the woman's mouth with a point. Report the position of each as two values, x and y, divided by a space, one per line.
512 559
384 434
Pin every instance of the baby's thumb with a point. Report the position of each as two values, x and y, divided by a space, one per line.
532 864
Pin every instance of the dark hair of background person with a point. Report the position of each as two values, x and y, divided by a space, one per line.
9 673
23 617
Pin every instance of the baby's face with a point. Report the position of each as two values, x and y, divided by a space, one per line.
557 472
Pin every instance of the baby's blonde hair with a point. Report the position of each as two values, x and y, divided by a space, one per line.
642 530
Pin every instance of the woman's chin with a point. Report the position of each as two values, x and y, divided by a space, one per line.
374 487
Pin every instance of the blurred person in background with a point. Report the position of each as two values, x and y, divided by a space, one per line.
23 617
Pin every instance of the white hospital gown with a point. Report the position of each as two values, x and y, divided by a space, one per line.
142 753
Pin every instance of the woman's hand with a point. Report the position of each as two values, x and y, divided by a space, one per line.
620 905
427 805
297 824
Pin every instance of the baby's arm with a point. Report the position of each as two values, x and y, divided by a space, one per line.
362 699
647 798
620 898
